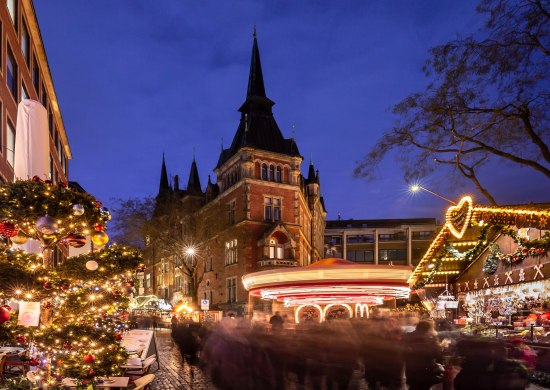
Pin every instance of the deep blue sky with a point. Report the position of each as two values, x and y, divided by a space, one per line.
135 78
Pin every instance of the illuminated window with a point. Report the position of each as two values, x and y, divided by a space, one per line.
148 281
231 284
387 255
272 209
275 250
10 145
231 252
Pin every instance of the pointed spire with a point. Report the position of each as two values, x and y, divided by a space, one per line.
194 183
311 173
164 185
317 180
176 183
255 77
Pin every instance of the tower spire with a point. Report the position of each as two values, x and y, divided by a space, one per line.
164 185
194 183
255 77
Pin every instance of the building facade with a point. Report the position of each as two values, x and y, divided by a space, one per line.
380 241
261 212
26 75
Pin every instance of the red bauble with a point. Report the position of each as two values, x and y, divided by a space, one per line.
67 345
130 283
48 285
47 305
118 337
7 307
88 359
37 179
99 227
34 362
75 240
141 268
8 229
97 203
21 339
4 315
64 286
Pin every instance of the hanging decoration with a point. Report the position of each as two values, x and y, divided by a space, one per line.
490 264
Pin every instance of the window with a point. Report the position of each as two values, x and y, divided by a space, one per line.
422 235
399 236
12 9
185 288
231 212
36 77
45 100
271 173
209 264
361 256
177 283
354 239
148 281
279 175
10 144
336 240
264 171
231 252
276 251
272 209
26 44
11 77
231 284
392 255
24 92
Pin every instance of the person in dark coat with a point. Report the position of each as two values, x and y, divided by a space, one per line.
422 350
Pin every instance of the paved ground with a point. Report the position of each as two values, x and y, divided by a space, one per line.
176 374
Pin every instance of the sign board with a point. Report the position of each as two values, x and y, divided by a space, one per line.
205 304
29 313
138 341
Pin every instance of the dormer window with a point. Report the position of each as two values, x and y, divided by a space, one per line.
275 250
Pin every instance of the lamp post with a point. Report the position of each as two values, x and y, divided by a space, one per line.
417 187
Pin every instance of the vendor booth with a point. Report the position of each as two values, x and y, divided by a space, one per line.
492 265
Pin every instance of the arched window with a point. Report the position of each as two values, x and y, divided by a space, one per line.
279 176
271 173
264 171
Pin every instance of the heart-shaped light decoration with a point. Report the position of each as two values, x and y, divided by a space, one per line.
458 217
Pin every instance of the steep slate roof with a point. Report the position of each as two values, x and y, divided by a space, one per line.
194 183
257 127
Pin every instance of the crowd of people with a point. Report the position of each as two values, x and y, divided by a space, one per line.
344 354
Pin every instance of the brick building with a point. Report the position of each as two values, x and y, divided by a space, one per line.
26 75
261 213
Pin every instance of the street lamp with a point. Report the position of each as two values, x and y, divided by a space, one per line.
417 187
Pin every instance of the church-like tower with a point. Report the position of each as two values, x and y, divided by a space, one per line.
267 214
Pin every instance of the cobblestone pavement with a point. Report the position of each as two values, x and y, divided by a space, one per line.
176 374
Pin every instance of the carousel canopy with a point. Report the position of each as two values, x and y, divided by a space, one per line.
330 281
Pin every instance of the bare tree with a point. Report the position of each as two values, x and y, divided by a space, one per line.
487 101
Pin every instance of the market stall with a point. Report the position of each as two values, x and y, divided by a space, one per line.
494 264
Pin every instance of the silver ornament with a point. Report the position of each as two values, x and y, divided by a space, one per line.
46 225
78 210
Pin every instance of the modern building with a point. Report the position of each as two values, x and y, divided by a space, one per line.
261 213
26 75
380 241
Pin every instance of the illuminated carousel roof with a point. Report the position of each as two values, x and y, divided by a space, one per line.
330 280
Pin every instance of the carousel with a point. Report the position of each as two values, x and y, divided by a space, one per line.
330 288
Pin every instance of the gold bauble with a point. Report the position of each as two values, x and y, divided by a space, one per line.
99 238
20 239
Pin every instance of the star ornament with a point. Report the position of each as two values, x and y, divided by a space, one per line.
458 217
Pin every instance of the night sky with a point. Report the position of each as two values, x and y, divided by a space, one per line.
135 78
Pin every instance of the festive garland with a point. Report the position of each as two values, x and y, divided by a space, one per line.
475 251
428 279
537 247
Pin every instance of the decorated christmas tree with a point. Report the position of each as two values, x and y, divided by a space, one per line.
70 318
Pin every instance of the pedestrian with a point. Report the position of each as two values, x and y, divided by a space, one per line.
276 322
174 321
423 356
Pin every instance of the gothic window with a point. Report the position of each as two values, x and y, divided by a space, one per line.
264 171
279 175
231 284
272 209
231 252
271 173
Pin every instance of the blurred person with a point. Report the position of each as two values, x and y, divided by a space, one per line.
422 352
524 353
342 354
276 322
